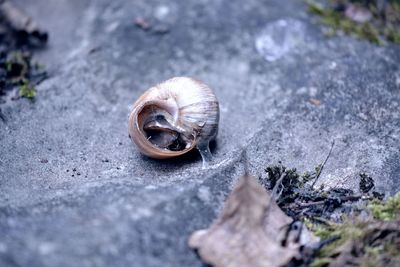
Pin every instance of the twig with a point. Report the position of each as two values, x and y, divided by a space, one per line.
245 162
323 221
278 183
327 241
342 181
323 165
321 202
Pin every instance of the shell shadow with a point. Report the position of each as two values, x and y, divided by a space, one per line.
170 165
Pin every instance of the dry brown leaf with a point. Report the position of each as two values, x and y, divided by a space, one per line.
248 232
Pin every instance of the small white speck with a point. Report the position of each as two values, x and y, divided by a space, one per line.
313 91
112 27
78 113
223 108
204 194
3 248
362 116
161 12
243 67
150 187
302 90
46 248
274 88
140 213
179 53
397 81
116 54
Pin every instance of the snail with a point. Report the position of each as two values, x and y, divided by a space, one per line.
174 117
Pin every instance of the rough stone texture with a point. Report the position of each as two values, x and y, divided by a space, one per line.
98 202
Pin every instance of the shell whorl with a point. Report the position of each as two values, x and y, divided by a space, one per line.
173 117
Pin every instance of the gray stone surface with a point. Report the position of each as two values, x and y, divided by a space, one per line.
75 192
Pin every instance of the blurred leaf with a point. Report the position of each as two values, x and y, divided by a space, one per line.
249 231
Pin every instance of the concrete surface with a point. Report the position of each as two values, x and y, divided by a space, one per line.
74 191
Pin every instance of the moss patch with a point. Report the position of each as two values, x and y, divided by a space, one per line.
377 24
27 90
355 228
18 71
371 241
18 43
386 211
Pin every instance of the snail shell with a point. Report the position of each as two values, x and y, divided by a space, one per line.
173 117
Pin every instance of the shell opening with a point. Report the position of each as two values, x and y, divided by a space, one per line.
161 133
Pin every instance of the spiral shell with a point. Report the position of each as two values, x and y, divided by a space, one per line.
173 117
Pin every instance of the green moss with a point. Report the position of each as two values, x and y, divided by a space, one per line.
323 232
337 21
315 8
306 177
390 210
387 26
27 90
392 249
371 258
393 35
381 256
342 232
357 230
369 32
39 66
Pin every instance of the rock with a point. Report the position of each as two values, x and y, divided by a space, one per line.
134 211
